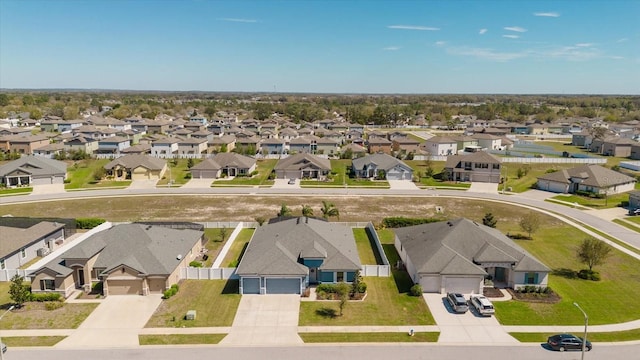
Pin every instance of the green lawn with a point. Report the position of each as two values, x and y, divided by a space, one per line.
555 245
633 219
628 335
527 181
34 316
214 245
215 302
180 339
376 337
80 175
179 173
15 191
610 202
365 247
627 225
232 259
339 168
25 341
264 168
420 167
5 300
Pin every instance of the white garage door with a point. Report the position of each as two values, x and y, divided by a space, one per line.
464 285
283 286
124 287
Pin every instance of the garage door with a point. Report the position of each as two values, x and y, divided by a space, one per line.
394 175
124 287
283 286
156 286
204 174
251 285
464 285
430 283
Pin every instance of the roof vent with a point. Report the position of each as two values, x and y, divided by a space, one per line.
179 257
449 223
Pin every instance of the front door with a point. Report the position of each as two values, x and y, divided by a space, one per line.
313 275
80 277
499 274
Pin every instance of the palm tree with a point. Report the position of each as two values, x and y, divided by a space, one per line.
328 210
307 211
284 211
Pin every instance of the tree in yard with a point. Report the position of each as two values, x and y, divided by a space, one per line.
307 211
328 210
592 252
530 223
18 292
190 163
284 211
489 220
260 220
223 233
343 295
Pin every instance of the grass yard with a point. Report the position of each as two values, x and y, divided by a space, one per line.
214 245
365 247
633 219
215 302
528 180
264 168
232 259
629 226
628 335
610 202
5 300
25 341
556 245
376 337
179 173
420 167
80 175
34 316
180 339
339 168
15 191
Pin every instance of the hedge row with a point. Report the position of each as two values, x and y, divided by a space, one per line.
88 223
398 222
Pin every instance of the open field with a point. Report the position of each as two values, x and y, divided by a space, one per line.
611 201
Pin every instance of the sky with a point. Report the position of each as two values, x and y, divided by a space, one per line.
423 47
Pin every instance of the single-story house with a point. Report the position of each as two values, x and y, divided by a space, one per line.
230 164
588 178
457 256
381 166
302 166
286 256
136 167
33 170
21 245
134 259
479 166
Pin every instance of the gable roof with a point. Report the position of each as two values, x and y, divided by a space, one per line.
133 161
277 248
383 162
14 238
476 157
460 246
35 166
300 161
591 175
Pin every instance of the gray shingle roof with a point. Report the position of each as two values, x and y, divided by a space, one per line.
299 161
276 248
13 238
592 175
383 161
133 161
35 165
457 246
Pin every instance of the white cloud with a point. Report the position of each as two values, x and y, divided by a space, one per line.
239 20
622 40
482 31
486 54
511 36
391 48
413 27
583 45
515 28
441 43
615 57
547 14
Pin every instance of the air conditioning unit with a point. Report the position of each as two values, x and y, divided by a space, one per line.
42 252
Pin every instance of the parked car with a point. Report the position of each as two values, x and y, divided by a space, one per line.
482 305
635 212
562 342
292 181
4 347
458 302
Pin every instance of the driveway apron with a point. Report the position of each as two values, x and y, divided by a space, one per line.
265 320
467 328
116 322
198 184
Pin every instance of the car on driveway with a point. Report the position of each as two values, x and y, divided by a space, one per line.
458 302
562 342
292 181
635 212
482 305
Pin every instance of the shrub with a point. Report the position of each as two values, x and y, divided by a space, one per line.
88 223
187 175
398 222
195 263
97 287
45 297
362 287
416 290
171 291
53 305
587 274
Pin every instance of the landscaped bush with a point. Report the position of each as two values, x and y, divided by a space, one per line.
45 297
88 223
195 264
53 305
416 290
96 288
187 175
171 291
400 221
587 274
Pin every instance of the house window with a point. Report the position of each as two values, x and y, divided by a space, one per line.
531 278
47 284
339 276
2 266
23 253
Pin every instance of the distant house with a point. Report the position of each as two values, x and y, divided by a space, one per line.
285 257
229 164
634 200
127 259
303 166
304 144
617 146
377 144
441 146
592 178
381 166
272 146
356 150
457 255
166 147
49 151
136 167
582 139
113 145
24 143
405 144
192 146
80 143
479 166
33 171
21 245
488 141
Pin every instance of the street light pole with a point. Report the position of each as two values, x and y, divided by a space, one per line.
1 347
586 321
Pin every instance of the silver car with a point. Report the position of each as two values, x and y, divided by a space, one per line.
458 302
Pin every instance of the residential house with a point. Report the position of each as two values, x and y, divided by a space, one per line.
285 257
581 139
166 147
157 126
538 129
49 151
381 166
464 142
355 149
272 146
248 145
224 164
108 122
140 149
23 144
618 147
21 245
378 145
327 146
80 143
127 259
635 152
589 178
441 146
287 134
304 144
478 166
458 255
199 119
113 145
634 201
192 146
224 143
33 171
405 145
488 141
303 166
136 167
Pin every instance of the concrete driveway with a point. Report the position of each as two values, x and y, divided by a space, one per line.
284 184
116 322
143 184
481 187
402 185
265 320
47 189
198 184
467 328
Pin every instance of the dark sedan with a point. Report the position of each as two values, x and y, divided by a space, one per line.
562 342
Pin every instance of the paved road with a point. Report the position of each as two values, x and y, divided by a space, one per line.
331 351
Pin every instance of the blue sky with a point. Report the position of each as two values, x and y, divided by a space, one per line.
455 46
